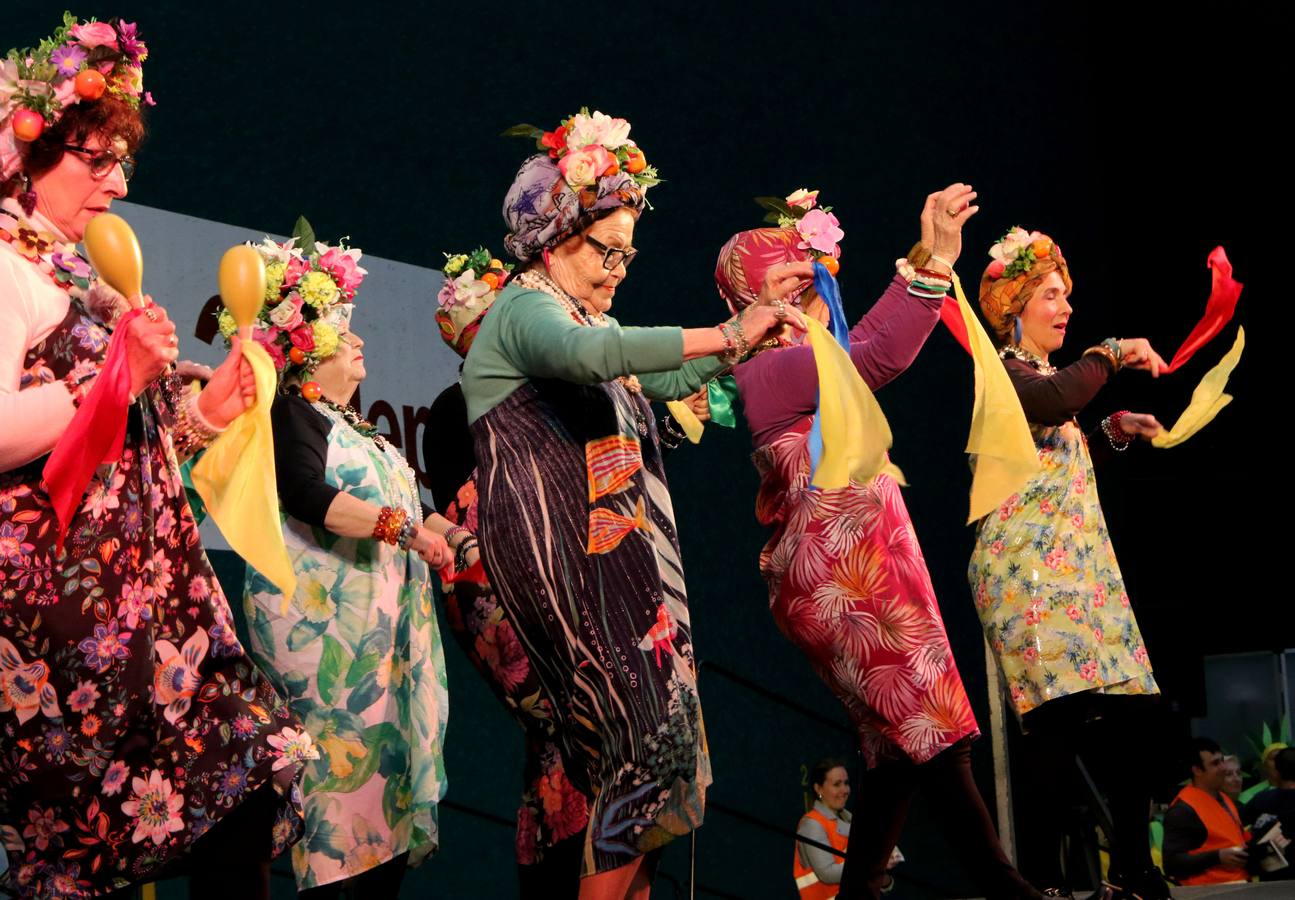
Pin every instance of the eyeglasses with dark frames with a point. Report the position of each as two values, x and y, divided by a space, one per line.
101 162
612 256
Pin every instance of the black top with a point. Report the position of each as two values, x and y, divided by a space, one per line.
300 457
1057 398
448 451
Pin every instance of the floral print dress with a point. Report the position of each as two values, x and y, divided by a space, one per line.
357 652
1048 588
848 585
131 720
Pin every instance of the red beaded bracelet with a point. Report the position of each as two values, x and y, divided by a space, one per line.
387 528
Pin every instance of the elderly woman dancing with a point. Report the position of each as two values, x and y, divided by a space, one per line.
1047 585
576 523
847 581
134 730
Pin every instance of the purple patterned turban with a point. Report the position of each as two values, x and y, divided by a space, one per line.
542 210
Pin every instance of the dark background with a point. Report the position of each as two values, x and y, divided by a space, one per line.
1131 137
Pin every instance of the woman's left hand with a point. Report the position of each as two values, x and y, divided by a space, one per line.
1143 425
231 390
432 548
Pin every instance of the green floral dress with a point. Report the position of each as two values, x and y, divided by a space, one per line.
358 654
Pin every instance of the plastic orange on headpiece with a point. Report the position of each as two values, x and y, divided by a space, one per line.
114 252
242 286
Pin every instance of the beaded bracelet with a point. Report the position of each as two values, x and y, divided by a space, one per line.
461 554
454 531
408 531
387 528
192 431
1119 438
729 355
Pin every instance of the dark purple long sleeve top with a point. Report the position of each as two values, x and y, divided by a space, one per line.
779 388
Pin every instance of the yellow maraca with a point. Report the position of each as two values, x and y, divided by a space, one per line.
113 250
242 286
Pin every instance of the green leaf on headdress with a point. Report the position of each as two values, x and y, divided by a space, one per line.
1267 735
523 131
778 209
305 235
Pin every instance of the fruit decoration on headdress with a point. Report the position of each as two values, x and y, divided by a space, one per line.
819 229
1017 252
80 61
309 294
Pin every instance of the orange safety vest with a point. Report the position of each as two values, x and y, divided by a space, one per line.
806 881
1222 829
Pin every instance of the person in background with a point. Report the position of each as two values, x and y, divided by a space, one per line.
1278 801
1232 777
1204 838
818 871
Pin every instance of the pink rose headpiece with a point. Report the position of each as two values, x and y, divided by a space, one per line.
472 281
81 61
803 231
309 295
588 165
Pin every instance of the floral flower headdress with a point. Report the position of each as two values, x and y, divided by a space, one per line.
1017 252
591 146
79 61
472 280
309 295
820 230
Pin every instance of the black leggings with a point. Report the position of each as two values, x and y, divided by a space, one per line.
230 860
948 787
1113 735
379 883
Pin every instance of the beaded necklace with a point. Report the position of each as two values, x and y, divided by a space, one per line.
1016 351
365 428
540 281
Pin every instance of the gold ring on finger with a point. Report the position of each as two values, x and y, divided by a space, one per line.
953 213
152 314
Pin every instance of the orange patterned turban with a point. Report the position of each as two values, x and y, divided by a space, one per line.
1021 260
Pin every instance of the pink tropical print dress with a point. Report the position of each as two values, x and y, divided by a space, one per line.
848 585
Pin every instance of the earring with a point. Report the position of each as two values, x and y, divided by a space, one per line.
1016 330
27 199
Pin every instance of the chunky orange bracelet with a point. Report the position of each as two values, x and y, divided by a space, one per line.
390 521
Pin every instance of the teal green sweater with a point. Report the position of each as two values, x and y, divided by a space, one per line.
528 335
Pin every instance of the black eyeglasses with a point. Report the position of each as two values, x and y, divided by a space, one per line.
102 161
612 256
